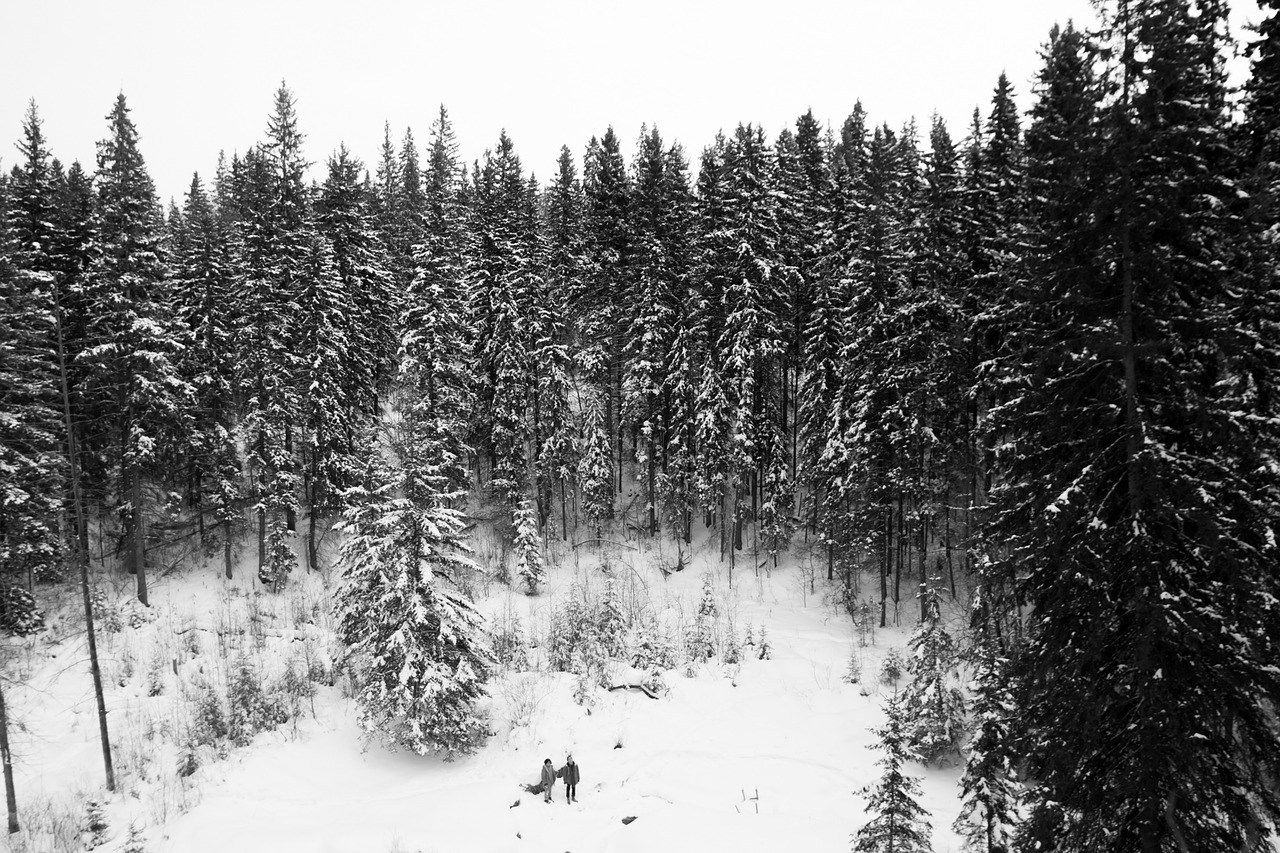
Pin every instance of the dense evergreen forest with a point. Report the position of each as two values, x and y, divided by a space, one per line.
1034 361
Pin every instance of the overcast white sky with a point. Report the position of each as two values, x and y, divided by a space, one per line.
200 76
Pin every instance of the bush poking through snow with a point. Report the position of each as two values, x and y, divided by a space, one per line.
653 653
700 639
891 667
95 824
764 650
188 759
853 673
136 842
208 720
251 708
864 622
107 617
155 673
584 634
19 615
732 650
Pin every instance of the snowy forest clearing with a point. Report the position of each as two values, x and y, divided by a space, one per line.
787 730
1017 388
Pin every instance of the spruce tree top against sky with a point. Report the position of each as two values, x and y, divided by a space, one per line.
200 78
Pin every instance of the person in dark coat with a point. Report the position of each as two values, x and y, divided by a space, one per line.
569 773
548 779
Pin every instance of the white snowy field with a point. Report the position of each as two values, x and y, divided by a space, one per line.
762 756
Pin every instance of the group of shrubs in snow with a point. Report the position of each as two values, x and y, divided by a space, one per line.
612 636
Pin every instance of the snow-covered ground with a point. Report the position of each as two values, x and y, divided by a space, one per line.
762 756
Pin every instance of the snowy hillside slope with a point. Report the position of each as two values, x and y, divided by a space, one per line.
761 755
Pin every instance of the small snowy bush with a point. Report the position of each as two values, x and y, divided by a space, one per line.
586 634
19 614
509 645
764 649
732 650
853 673
208 720
107 617
700 638
136 842
95 824
155 673
251 708
891 667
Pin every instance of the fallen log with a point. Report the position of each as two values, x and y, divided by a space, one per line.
645 690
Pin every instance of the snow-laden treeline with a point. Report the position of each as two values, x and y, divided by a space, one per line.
1037 362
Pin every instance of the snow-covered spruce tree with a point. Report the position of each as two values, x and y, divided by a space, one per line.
272 240
989 809
505 279
31 478
528 547
421 656
435 350
133 363
348 353
595 466
202 287
900 824
1140 510
562 235
661 209
608 298
611 622
932 707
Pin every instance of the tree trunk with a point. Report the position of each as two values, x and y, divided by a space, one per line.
564 513
290 512
82 553
1133 422
262 503
10 797
897 563
653 492
226 550
139 537
311 539
886 564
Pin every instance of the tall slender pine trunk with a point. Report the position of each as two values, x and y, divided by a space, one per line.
82 552
10 795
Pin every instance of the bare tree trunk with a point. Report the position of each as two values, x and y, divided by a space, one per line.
262 504
653 493
897 566
886 564
564 513
290 513
10 797
139 537
82 553
311 539
226 550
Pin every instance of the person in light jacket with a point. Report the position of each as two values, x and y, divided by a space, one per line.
569 773
548 779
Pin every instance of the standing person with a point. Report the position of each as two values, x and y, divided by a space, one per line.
548 779
569 773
